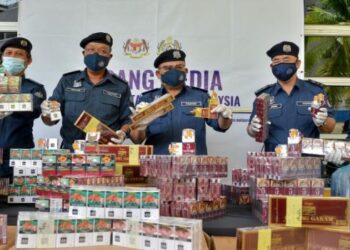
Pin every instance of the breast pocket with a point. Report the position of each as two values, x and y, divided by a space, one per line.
109 106
304 117
275 114
74 101
189 120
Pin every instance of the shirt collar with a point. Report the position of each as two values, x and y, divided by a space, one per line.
298 86
108 77
184 89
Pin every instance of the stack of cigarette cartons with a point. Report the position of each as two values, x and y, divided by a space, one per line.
322 147
271 174
301 223
50 230
190 184
114 202
11 98
127 159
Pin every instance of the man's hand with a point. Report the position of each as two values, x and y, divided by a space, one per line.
320 117
137 109
47 107
4 114
223 110
334 157
121 137
255 126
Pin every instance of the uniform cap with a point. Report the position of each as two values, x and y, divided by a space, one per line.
168 56
283 48
17 42
99 37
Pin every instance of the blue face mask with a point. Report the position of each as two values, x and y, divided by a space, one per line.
284 71
173 77
96 62
13 65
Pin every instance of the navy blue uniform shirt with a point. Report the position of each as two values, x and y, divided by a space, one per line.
168 128
291 111
108 101
16 130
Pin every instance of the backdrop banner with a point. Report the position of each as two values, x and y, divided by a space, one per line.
225 42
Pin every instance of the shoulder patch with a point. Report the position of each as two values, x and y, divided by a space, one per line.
39 94
196 88
118 78
150 91
261 90
72 72
315 83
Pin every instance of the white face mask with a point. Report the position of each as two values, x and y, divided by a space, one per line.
13 65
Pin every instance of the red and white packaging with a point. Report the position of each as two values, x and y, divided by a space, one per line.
262 103
304 187
317 187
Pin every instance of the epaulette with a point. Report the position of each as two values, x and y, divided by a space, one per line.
196 88
118 78
261 90
34 82
315 83
72 72
150 91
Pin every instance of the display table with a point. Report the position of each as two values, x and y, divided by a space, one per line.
11 243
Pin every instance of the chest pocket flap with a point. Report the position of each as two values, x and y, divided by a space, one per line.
275 110
75 94
303 107
111 98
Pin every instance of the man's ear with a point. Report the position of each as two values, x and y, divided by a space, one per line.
298 63
158 73
29 61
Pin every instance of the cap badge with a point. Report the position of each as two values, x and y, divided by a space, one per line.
24 43
108 38
177 54
287 48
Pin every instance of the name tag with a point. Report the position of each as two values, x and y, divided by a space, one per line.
276 106
191 104
76 89
304 103
114 94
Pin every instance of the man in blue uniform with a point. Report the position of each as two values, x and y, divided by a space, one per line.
291 99
16 129
95 90
171 70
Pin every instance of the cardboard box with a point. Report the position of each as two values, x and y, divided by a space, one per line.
309 211
271 238
323 238
125 154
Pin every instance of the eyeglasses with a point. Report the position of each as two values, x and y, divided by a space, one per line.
101 51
